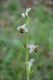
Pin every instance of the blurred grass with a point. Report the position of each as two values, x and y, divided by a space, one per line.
12 55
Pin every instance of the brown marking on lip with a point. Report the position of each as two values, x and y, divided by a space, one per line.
21 30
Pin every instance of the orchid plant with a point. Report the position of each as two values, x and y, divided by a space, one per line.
30 48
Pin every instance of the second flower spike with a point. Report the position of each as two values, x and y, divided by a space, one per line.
22 28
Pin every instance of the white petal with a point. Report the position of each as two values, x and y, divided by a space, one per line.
23 15
18 28
25 29
23 26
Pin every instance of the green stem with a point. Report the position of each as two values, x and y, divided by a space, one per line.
27 68
27 59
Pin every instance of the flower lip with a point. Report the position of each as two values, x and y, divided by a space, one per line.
21 30
35 49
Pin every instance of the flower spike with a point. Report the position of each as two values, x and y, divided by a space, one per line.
26 13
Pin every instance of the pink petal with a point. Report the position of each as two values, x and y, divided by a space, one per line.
30 50
31 60
31 46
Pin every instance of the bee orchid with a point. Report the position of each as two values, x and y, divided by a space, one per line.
22 28
32 48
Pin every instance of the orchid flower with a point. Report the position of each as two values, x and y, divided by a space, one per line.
22 28
32 48
30 63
